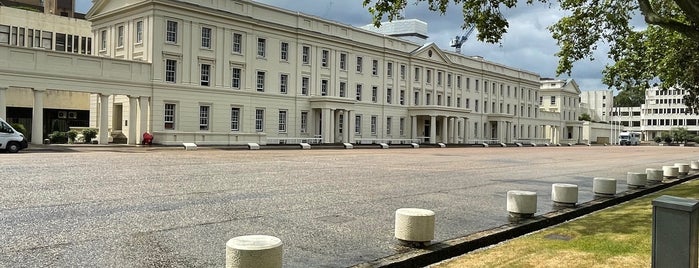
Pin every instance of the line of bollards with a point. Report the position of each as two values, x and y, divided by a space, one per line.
415 227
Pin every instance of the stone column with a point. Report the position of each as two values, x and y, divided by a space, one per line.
466 132
339 136
133 118
433 129
104 119
445 130
143 112
331 126
413 127
3 103
452 128
325 122
38 116
350 125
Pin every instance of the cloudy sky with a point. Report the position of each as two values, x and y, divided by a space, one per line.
527 45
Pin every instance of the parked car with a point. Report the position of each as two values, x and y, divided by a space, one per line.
11 140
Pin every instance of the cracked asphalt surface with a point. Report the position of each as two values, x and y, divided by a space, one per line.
136 207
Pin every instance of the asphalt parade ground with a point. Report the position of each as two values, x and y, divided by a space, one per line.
166 207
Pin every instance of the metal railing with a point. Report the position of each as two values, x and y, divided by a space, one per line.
387 141
294 140
481 141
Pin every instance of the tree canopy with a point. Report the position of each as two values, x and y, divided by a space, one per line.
666 51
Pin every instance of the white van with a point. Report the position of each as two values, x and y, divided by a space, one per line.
10 139
629 138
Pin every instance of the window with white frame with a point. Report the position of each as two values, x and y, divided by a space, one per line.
389 95
340 123
205 70
304 122
374 67
47 40
416 98
401 126
388 125
170 70
169 115
283 83
237 43
259 120
343 89
120 36
324 87
402 97
204 117
343 61
374 94
468 103
261 47
389 69
284 53
305 83
171 32
428 76
458 102
324 58
358 124
359 92
458 81
402 72
449 80
417 74
373 125
4 34
103 40
477 85
553 100
282 120
139 32
439 78
235 119
206 37
306 54
359 64
260 81
235 77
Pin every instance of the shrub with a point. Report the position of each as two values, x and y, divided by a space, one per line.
72 135
58 137
658 139
89 134
19 127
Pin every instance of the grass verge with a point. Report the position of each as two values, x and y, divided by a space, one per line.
619 236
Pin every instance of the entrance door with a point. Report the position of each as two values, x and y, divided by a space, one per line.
117 116
427 132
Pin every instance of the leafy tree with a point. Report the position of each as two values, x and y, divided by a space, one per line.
584 117
679 134
633 97
666 51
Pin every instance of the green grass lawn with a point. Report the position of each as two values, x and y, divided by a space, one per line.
619 236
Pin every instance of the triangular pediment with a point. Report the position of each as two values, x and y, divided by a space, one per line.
106 6
572 87
431 52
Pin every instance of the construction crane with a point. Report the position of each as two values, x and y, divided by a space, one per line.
458 41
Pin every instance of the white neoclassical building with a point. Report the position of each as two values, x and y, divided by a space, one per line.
232 72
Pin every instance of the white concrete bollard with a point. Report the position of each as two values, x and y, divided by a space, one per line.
683 168
694 165
188 146
383 145
519 144
521 204
414 225
502 144
253 146
564 194
604 186
671 172
348 145
441 145
414 145
636 180
305 146
485 144
654 175
258 251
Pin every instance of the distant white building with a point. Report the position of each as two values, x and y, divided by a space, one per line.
597 104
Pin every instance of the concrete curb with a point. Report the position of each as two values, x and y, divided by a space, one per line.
455 247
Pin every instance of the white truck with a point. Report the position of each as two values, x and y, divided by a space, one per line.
11 140
629 138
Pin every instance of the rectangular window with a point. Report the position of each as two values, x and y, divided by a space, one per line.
389 69
375 67
237 43
458 102
417 74
359 92
428 99
324 87
325 58
305 83
103 40
402 97
416 98
60 41
283 83
282 121
170 70
389 95
139 32
401 127
402 72
304 122
4 34
205 37
343 61
475 106
260 81
306 54
284 51
448 80
259 120
468 103
47 40
235 75
204 117
477 85
235 119
374 94
261 47
205 74
553 100
120 36
388 125
428 76
169 114
373 125
439 78
541 100
358 124
171 32
359 64
343 89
